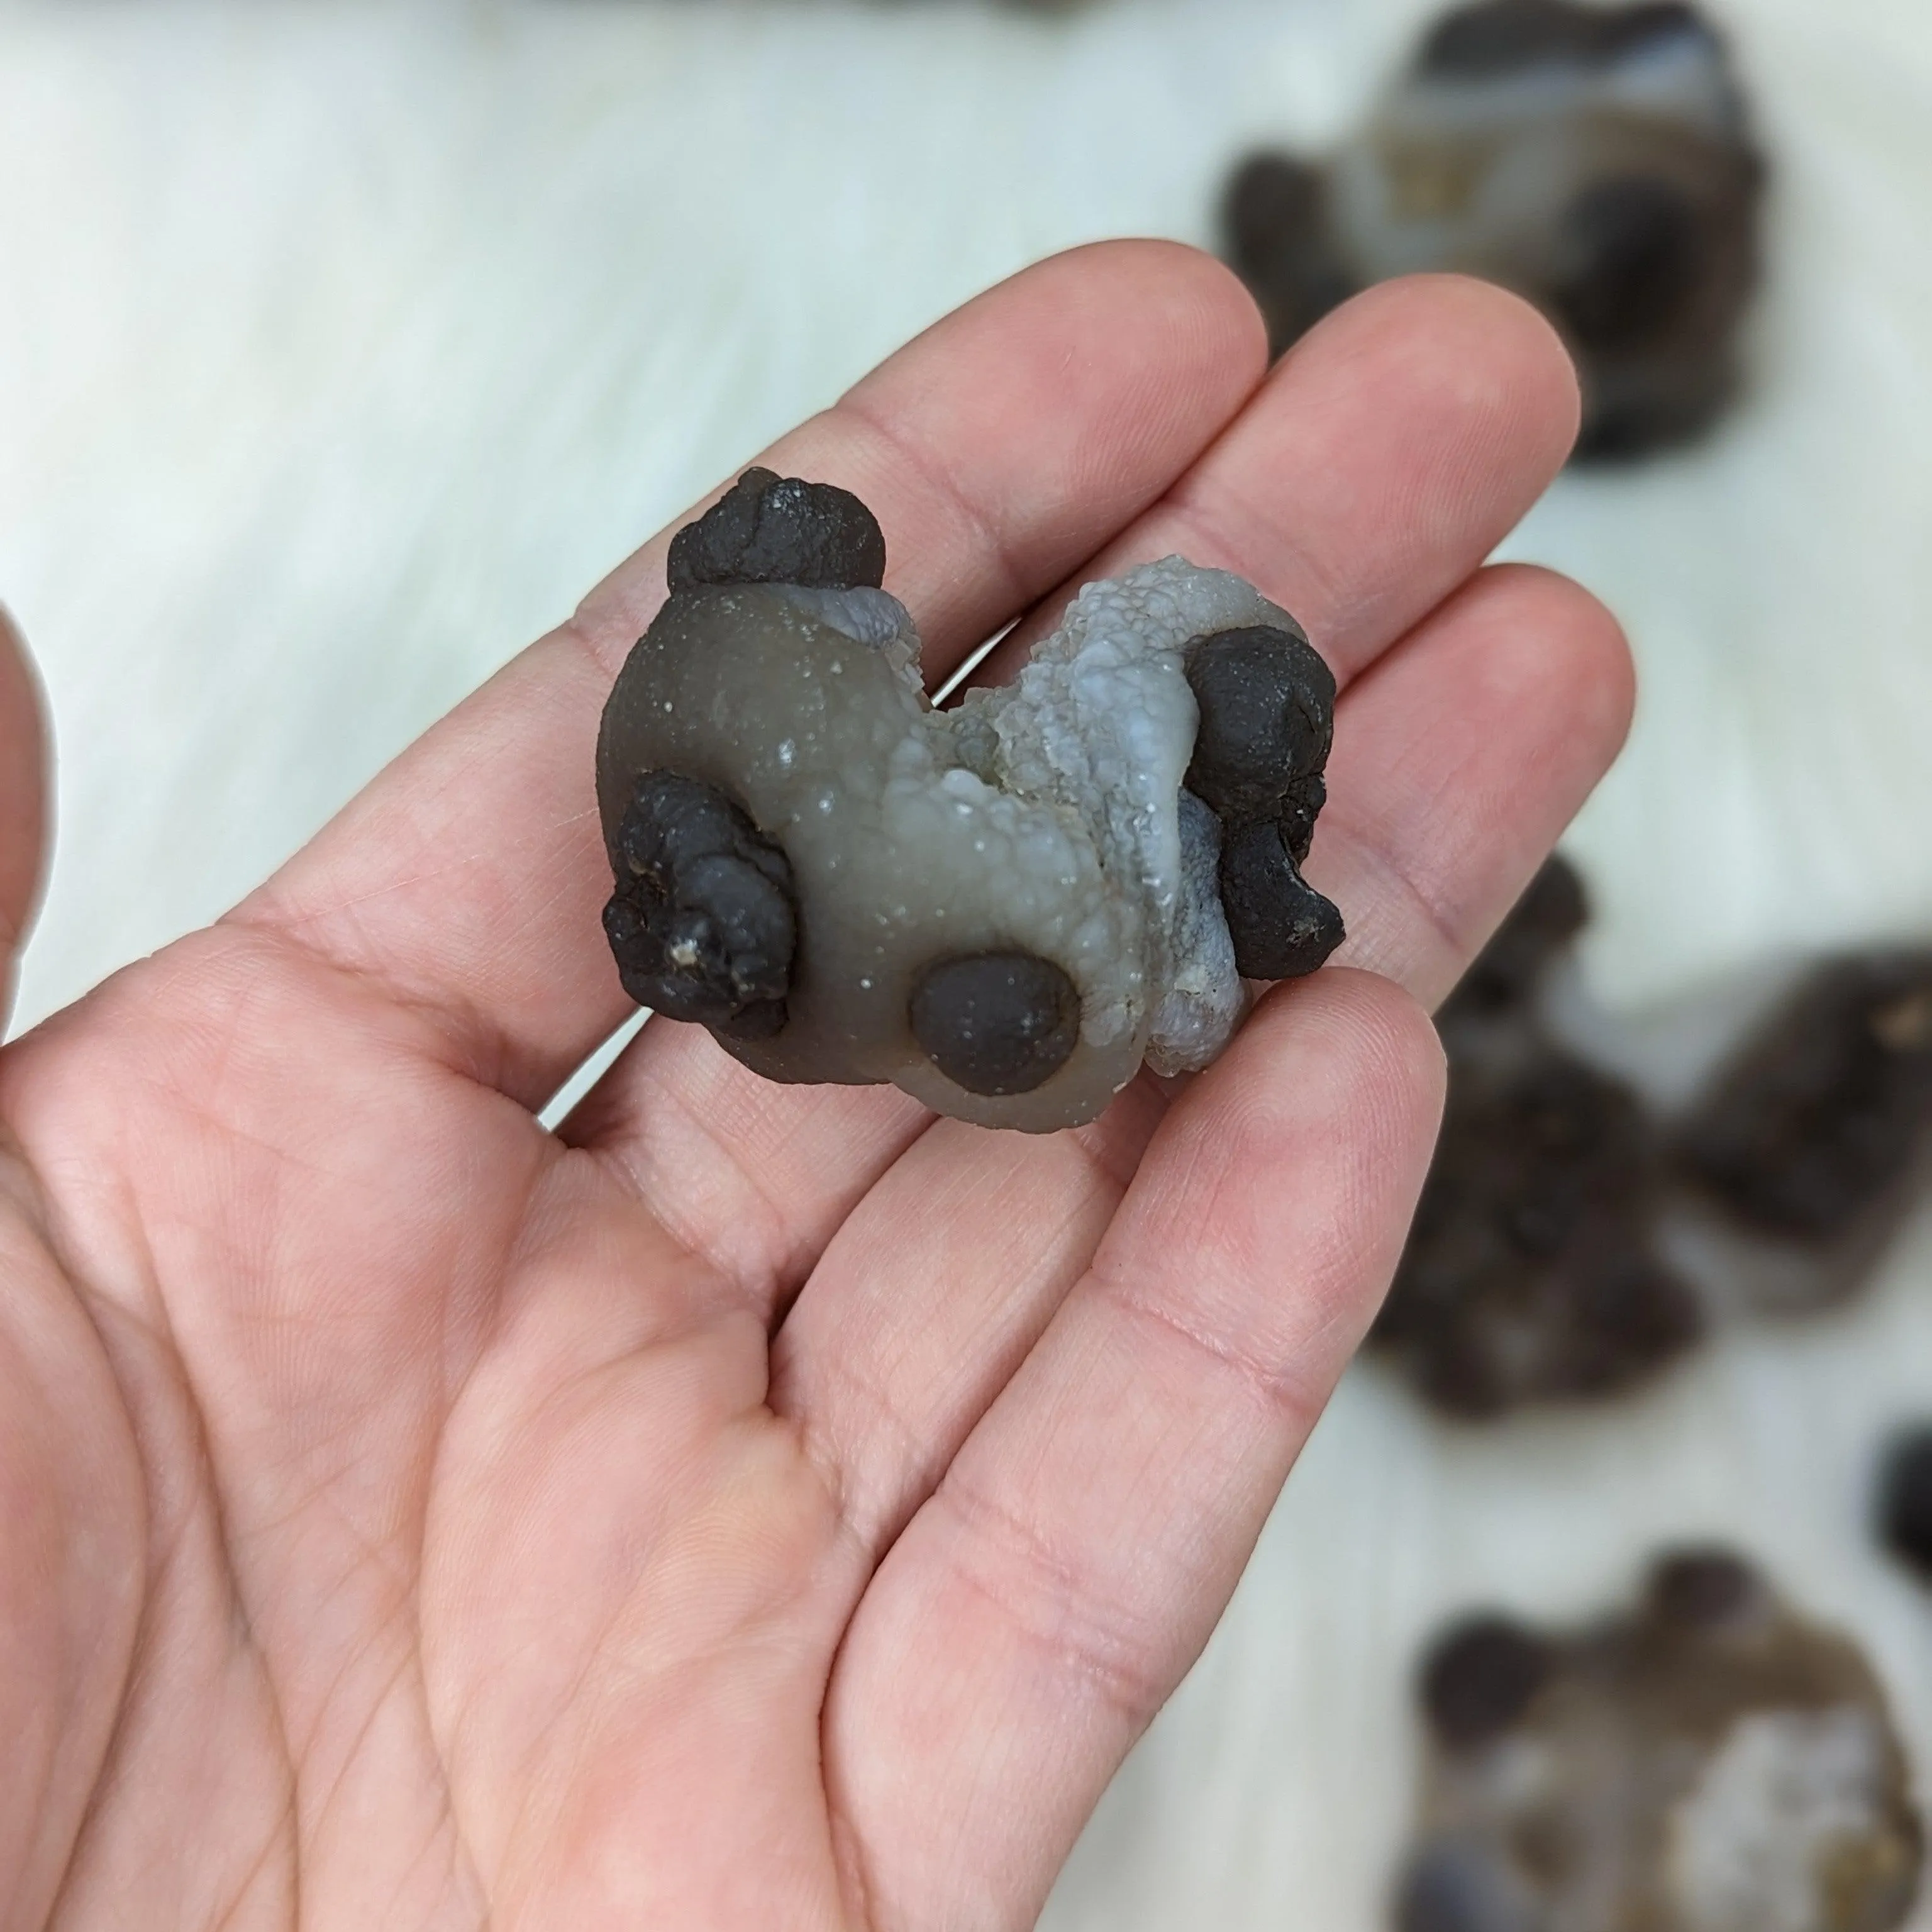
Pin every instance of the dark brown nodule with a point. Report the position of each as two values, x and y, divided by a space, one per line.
1645 1767
996 1023
1531 1271
1281 927
1480 1679
768 529
1267 706
1501 37
1631 251
1645 254
1280 242
1702 1589
1266 702
703 923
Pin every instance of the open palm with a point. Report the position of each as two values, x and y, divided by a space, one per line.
749 1506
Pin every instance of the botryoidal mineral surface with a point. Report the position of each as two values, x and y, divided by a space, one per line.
1004 907
1707 1762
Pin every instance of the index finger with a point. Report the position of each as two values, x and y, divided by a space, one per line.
997 450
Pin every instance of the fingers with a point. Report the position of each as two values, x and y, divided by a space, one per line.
1460 759
1040 1607
1087 1535
71 1586
1390 452
750 1176
1015 436
930 1293
1378 466
23 802
997 450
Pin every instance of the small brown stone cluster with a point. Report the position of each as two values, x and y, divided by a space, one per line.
1570 1242
1707 1762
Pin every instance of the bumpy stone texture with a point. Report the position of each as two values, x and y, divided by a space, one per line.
1267 706
1532 1271
768 529
702 921
1599 161
1044 824
1707 1763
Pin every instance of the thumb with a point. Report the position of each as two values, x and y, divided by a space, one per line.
23 800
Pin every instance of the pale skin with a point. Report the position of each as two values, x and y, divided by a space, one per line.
750 1506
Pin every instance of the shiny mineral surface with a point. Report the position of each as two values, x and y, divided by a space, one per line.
1020 892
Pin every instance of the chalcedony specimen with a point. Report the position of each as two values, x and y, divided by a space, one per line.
1708 1762
1816 1131
1004 907
1575 1234
1533 1271
1599 161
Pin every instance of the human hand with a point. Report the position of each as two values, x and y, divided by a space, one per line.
750 1505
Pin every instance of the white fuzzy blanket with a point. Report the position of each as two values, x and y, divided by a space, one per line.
341 346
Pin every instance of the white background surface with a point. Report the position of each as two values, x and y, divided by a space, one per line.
341 347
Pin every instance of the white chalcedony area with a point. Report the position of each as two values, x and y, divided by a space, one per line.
1751 1847
1103 722
1046 816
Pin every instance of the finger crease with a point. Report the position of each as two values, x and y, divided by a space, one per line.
1272 1387
868 1509
759 1283
1048 1613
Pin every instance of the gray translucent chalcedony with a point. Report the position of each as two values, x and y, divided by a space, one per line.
1003 908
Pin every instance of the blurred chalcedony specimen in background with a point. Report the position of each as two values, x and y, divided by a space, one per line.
1598 161
1814 1141
1532 1271
1571 1241
1708 1762
1005 906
